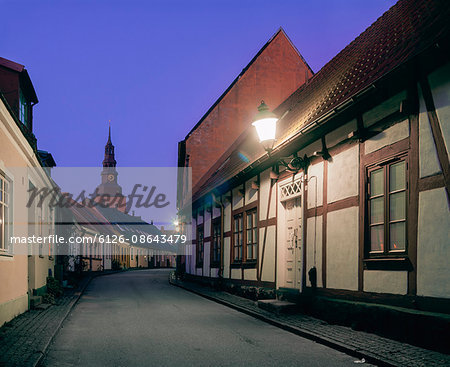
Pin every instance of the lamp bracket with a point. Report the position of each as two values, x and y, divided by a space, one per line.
295 163
324 152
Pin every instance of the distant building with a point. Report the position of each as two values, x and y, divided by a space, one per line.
109 191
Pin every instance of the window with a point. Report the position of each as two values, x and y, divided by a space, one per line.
200 245
237 237
387 207
23 109
216 241
245 237
251 236
4 214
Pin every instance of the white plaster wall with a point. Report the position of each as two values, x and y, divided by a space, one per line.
227 216
215 211
194 229
316 146
250 274
315 185
340 134
384 109
388 136
236 273
207 224
215 272
440 89
226 257
200 216
251 195
382 281
264 189
433 245
206 258
268 268
314 225
343 175
238 198
428 158
342 249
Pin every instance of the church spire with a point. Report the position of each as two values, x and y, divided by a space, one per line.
109 160
109 135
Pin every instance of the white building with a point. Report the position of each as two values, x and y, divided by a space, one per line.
353 202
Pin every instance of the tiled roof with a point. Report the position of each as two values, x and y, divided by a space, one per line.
11 65
110 221
404 31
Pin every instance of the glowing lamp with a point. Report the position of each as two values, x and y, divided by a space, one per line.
265 123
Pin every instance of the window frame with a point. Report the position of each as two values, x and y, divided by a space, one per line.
216 244
234 259
6 215
385 165
200 246
243 261
24 109
254 244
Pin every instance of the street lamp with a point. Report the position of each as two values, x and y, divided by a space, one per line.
265 123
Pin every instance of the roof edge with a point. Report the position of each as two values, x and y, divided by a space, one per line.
244 70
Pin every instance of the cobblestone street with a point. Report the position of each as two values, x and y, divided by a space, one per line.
144 300
380 350
24 340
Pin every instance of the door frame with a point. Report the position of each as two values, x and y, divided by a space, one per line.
281 232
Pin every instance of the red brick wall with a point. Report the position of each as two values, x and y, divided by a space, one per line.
273 76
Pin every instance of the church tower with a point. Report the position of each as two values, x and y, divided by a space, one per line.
109 191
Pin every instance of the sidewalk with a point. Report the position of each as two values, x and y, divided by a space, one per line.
24 339
373 348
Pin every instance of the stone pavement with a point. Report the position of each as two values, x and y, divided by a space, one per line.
24 339
373 348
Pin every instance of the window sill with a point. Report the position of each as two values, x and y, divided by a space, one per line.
387 263
236 264
6 255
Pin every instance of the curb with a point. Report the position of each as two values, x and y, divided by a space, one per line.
369 357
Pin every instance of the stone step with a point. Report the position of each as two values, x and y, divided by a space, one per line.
35 301
278 307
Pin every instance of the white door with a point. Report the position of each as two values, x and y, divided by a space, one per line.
293 246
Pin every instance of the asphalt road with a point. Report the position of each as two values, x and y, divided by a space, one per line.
137 319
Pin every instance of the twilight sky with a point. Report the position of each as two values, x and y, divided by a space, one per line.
153 67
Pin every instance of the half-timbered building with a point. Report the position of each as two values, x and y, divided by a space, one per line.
352 201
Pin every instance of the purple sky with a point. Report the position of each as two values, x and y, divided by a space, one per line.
153 67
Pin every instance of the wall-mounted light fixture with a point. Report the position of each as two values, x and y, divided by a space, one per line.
265 123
